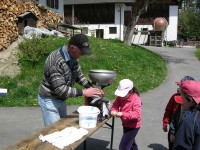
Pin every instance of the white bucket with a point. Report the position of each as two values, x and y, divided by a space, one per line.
3 91
88 116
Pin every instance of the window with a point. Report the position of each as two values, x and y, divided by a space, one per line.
53 4
144 31
113 30
85 30
95 13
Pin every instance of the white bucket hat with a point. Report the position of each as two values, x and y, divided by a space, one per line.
124 87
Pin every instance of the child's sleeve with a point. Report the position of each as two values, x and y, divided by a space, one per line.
116 105
169 111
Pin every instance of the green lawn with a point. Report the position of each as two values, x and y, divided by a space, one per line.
197 53
146 69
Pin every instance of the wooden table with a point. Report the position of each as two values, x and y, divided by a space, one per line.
32 142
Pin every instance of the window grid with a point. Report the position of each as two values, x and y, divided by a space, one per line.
53 4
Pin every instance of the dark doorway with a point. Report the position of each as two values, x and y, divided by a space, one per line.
99 33
25 23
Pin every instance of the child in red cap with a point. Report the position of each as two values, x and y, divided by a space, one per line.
188 134
171 108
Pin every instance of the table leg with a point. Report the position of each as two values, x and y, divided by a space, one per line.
112 132
84 145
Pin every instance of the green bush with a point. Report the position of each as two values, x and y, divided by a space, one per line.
32 50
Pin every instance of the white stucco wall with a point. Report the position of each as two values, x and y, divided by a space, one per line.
172 28
119 24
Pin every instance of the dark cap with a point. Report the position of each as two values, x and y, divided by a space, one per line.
81 41
186 78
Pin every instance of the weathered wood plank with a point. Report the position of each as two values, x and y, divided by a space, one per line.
32 142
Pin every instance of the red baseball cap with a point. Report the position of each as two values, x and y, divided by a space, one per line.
192 88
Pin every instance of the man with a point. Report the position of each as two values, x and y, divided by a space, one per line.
61 71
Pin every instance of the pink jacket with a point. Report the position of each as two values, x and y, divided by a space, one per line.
131 110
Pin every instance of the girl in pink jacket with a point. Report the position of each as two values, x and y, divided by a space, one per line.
127 106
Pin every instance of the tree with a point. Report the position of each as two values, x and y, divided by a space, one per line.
189 20
142 7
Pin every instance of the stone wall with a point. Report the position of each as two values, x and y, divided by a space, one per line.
9 12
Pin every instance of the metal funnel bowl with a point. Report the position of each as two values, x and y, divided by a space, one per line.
102 76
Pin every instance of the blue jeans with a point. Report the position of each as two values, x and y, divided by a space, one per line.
52 109
128 139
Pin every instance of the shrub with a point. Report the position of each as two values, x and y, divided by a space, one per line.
32 50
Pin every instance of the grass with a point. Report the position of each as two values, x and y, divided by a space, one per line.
197 53
146 69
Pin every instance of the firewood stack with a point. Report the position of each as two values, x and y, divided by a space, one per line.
9 12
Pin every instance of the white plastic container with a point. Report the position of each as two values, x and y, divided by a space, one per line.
88 116
3 91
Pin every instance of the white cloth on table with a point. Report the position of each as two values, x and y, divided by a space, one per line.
64 137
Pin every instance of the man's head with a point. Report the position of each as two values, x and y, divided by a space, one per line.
81 41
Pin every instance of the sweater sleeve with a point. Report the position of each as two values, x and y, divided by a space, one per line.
81 79
116 105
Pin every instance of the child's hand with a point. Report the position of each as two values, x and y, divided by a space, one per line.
165 128
113 113
172 138
119 114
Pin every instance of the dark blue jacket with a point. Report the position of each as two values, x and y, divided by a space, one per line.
188 135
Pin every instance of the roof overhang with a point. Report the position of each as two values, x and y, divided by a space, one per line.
68 26
73 2
26 13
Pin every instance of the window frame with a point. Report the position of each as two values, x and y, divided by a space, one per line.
113 29
53 4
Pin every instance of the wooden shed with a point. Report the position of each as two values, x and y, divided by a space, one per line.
26 19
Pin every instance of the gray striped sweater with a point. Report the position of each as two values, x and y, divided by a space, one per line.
59 78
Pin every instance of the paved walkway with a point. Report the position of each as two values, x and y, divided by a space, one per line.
16 123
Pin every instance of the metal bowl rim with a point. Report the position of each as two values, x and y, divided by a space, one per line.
102 71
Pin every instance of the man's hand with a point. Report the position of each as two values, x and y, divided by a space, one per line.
91 92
